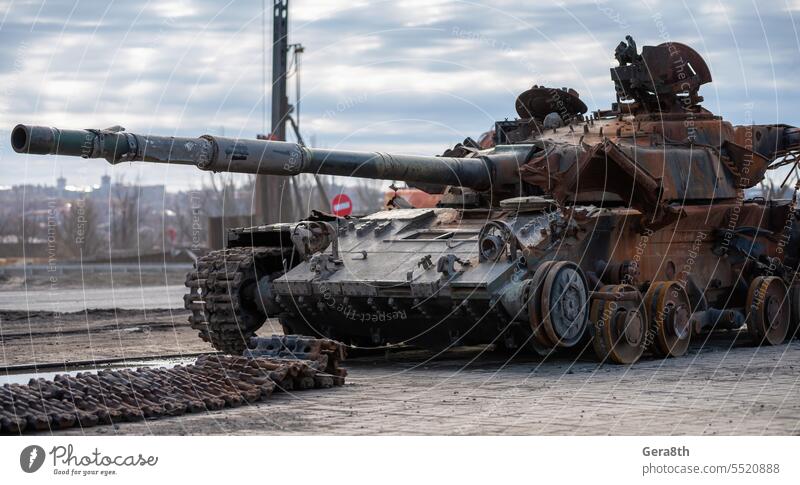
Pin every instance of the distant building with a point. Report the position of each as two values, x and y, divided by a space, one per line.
105 185
61 186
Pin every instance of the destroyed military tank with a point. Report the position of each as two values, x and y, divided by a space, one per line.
624 231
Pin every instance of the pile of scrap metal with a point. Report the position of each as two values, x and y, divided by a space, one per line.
323 354
213 382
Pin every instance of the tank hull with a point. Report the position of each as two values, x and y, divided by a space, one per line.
392 285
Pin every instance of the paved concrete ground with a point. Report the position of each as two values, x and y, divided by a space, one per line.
728 387
720 390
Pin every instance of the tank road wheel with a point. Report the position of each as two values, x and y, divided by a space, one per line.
668 312
768 310
223 296
619 327
564 300
542 341
794 328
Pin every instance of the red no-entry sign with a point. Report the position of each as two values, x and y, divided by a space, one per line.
341 205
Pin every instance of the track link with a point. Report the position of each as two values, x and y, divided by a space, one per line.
223 294
213 382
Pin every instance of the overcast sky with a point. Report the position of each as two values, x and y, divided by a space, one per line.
412 76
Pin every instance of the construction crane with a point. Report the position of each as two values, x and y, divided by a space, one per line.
274 193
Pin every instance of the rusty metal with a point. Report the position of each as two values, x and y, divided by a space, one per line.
326 354
213 382
535 310
794 328
618 296
668 312
769 315
618 272
662 78
540 101
620 331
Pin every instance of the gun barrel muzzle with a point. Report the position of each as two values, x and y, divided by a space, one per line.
43 140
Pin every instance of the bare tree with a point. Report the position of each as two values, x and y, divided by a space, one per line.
29 227
124 217
78 230
6 223
185 223
370 194
220 196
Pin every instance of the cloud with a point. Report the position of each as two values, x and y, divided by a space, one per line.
411 76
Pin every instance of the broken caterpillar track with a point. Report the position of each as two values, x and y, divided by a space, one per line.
212 382
223 294
325 353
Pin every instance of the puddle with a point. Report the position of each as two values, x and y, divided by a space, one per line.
23 377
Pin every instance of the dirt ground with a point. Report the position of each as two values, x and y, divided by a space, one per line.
44 281
39 337
727 387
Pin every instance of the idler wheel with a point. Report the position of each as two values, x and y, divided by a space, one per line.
768 312
564 304
669 314
620 329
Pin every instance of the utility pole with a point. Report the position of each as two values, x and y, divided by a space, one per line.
269 188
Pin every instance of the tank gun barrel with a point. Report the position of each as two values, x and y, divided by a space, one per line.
221 154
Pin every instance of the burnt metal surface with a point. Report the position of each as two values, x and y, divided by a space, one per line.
770 315
540 101
213 382
627 227
669 310
661 78
620 325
